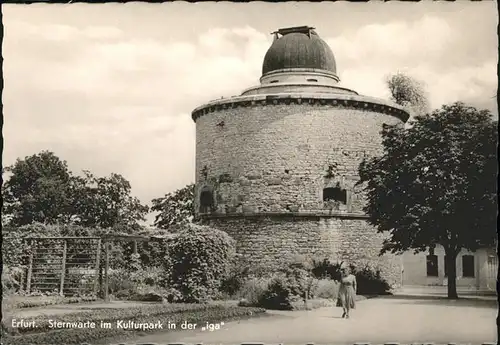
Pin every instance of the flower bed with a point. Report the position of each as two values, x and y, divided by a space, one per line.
20 302
169 313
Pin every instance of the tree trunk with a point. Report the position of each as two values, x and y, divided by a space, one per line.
451 263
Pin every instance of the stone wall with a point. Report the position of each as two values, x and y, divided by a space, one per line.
270 241
266 164
275 158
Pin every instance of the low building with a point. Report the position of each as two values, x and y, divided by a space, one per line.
476 271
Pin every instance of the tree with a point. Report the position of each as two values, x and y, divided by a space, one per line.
408 92
436 184
106 202
38 190
174 208
42 189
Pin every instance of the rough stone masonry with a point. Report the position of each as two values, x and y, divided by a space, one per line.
277 168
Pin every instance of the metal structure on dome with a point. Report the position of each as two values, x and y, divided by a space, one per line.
299 47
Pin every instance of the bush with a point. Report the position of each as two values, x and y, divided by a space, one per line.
238 274
252 291
290 284
325 268
15 246
118 280
298 278
12 279
327 288
278 295
200 258
137 285
369 281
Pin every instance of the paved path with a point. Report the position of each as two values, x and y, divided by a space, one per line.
379 320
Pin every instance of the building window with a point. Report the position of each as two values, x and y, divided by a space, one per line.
468 266
432 265
206 200
273 81
445 266
313 80
335 194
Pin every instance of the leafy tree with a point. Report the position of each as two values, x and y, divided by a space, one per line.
408 92
106 202
38 190
436 184
199 260
174 208
42 189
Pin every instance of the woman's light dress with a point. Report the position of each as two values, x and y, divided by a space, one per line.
347 293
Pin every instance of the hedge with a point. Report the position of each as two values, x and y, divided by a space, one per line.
167 313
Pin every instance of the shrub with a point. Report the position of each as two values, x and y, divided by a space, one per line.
200 259
298 279
325 268
12 279
150 276
291 283
278 295
140 285
252 291
369 281
327 288
151 253
118 280
15 246
238 273
143 293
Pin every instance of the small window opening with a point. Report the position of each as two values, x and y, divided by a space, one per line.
273 81
206 201
468 266
432 265
335 194
313 80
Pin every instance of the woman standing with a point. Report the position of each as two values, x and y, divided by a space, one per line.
347 292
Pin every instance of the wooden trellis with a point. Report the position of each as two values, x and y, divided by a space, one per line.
67 265
70 265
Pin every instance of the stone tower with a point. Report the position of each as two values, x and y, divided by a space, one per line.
276 167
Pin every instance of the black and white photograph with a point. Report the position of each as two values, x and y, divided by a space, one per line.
256 173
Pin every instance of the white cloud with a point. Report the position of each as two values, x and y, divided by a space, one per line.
420 49
110 102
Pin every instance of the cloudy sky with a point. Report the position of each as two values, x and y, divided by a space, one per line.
110 87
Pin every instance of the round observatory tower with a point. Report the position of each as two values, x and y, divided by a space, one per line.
276 167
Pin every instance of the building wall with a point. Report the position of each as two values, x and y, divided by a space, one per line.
274 158
269 241
267 165
415 269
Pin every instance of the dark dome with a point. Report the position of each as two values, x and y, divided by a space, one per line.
299 48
